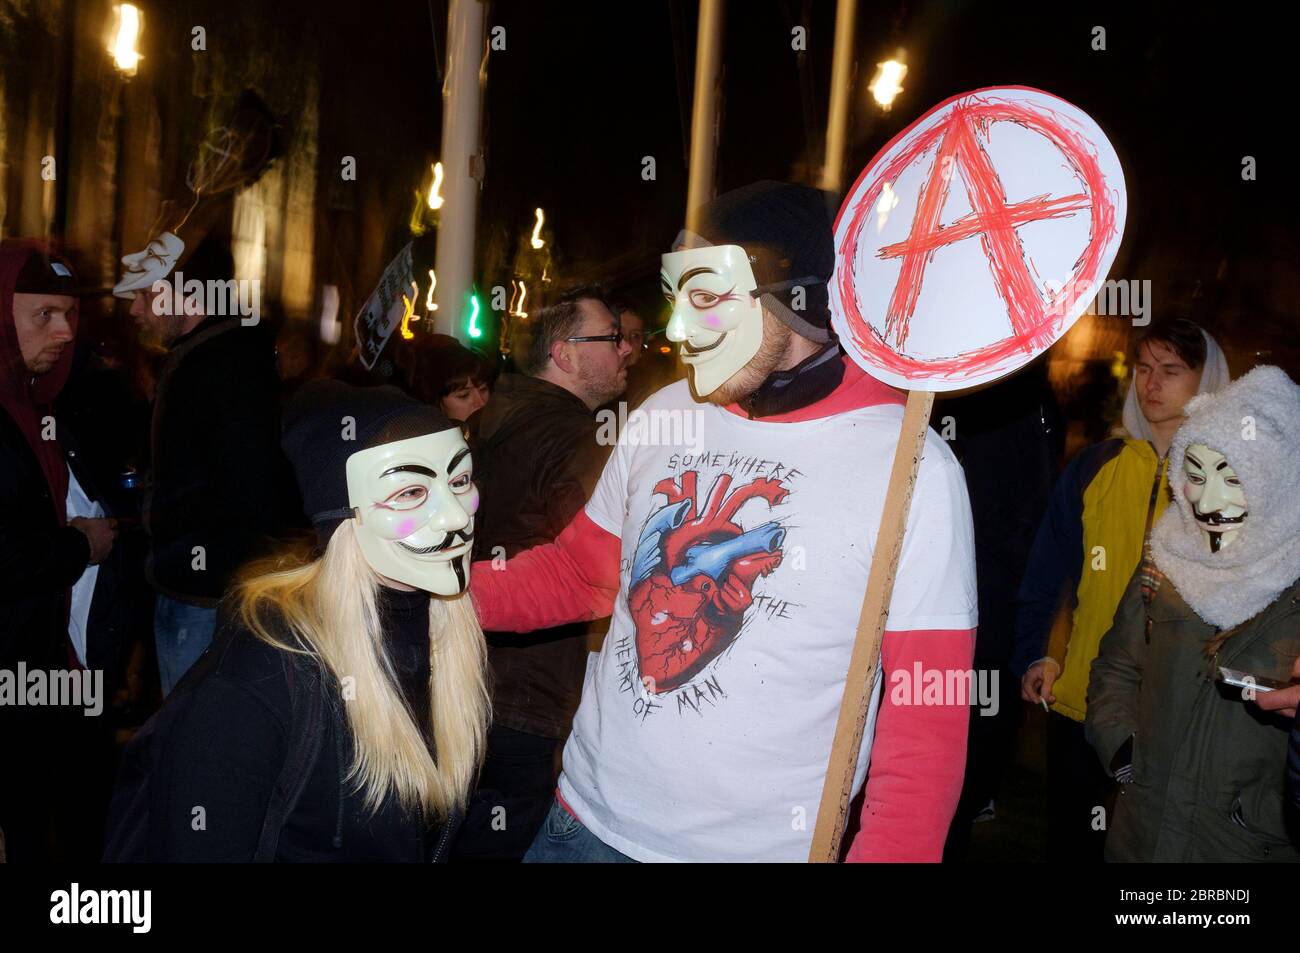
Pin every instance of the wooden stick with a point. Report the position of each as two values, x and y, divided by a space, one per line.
838 788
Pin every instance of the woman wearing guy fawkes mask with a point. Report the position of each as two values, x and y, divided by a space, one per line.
392 752
1202 767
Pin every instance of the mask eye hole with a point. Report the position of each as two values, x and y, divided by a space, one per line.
1195 478
703 299
407 498
1232 481
462 482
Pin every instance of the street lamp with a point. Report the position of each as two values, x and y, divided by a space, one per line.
886 84
126 33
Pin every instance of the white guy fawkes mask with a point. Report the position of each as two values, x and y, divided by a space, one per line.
715 318
414 502
1215 493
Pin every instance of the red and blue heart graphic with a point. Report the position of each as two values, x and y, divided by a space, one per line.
693 575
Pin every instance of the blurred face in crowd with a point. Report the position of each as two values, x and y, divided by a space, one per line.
633 334
44 328
598 369
160 330
1214 490
1164 382
465 398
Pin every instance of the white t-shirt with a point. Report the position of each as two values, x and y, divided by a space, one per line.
706 720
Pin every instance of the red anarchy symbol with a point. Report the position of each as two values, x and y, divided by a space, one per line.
992 218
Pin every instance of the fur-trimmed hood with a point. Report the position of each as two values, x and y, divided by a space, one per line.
1255 423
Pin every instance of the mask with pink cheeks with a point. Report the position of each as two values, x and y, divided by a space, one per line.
717 319
414 502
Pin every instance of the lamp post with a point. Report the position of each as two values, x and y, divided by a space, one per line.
837 121
462 103
704 122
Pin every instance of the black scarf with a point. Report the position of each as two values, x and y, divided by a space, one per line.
812 379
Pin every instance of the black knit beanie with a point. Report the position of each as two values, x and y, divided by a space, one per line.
788 232
326 422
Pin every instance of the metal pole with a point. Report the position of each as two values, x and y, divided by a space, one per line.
462 101
837 121
704 123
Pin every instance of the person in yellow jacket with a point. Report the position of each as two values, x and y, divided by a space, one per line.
1091 541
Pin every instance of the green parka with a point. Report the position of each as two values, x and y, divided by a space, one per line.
1208 766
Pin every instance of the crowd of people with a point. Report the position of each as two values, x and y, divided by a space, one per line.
445 619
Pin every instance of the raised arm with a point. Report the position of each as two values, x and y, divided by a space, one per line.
573 579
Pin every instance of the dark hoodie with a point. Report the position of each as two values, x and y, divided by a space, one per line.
45 798
536 462
40 555
220 483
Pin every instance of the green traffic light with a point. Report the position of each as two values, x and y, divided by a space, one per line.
474 330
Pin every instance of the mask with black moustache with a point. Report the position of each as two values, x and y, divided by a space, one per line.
414 502
717 317
1215 492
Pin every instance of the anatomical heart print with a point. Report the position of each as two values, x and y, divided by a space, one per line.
696 562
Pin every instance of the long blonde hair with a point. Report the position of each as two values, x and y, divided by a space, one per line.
329 606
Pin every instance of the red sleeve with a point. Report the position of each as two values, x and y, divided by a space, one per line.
573 579
918 758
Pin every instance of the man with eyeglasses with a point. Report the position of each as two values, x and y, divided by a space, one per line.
536 461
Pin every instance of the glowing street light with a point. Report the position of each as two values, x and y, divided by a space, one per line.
126 34
537 230
473 329
408 312
517 309
435 190
887 82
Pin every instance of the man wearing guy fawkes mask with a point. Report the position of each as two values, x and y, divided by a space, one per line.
1201 768
734 566
750 307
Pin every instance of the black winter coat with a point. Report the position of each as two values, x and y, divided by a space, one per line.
225 748
536 462
39 560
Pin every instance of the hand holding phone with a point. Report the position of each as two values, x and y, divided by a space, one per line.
1239 679
1283 700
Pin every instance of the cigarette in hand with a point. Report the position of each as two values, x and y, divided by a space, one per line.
1043 701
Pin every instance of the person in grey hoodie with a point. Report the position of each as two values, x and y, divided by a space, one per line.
1201 765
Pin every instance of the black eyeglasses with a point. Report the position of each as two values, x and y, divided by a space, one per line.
616 338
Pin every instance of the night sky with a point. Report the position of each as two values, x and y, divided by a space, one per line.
583 93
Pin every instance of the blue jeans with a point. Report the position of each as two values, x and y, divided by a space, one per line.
564 840
181 632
